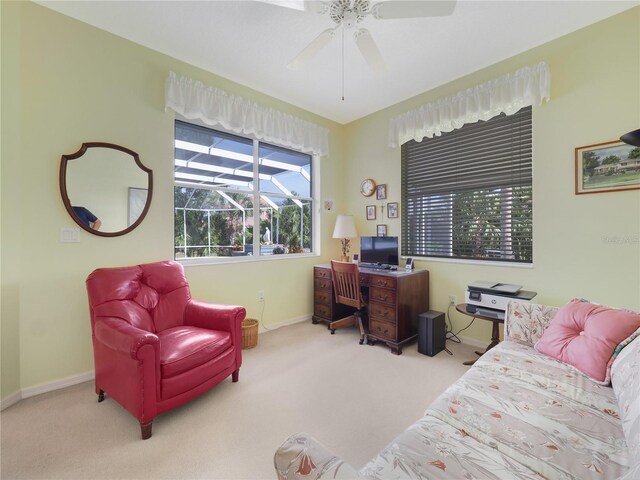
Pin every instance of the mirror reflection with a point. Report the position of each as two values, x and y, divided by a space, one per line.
105 188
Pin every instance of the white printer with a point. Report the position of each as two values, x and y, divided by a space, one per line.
490 299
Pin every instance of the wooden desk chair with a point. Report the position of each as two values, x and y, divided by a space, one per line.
346 285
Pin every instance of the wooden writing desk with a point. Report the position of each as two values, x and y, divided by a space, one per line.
395 300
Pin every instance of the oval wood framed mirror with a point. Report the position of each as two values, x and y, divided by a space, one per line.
105 188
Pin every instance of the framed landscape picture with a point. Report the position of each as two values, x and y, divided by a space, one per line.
607 167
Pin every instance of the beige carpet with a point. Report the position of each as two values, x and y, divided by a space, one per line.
354 399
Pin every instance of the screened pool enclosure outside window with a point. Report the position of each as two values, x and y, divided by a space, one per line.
236 197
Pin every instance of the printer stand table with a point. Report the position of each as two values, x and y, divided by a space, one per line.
495 332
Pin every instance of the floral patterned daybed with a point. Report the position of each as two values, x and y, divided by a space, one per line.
516 414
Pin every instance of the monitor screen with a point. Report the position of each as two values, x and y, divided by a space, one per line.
382 250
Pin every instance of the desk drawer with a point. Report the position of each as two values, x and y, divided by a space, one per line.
322 273
382 281
321 310
382 329
322 297
382 295
382 312
322 283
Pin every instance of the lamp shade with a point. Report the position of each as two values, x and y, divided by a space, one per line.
345 227
632 138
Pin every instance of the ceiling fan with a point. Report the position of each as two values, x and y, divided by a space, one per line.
348 14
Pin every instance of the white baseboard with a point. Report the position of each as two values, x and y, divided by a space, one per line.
285 323
10 400
87 376
45 387
57 384
474 342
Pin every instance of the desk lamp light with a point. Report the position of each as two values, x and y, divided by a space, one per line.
345 229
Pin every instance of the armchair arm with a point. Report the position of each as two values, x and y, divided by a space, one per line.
301 457
214 316
526 322
123 337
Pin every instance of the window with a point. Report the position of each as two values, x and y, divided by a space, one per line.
237 197
468 195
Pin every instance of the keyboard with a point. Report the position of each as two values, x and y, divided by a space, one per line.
378 267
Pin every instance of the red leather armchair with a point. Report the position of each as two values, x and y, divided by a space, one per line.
154 347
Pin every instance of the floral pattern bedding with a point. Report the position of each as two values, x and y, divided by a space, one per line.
517 414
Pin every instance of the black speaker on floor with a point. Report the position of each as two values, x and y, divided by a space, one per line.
431 332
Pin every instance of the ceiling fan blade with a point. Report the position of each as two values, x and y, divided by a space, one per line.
413 8
369 49
313 6
312 49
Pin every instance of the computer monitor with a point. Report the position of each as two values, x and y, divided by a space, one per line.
379 250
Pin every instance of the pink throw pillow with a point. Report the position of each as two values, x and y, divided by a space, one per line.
585 336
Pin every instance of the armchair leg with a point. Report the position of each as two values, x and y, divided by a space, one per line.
235 376
145 429
100 396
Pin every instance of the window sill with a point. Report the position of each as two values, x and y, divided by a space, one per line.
248 259
487 263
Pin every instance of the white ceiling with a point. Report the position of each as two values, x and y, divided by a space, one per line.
252 42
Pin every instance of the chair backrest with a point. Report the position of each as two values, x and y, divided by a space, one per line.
346 283
150 296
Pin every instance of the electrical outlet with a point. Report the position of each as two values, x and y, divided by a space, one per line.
452 299
261 295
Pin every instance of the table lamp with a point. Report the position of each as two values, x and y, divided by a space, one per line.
345 229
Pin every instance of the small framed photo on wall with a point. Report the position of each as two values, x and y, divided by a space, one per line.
382 231
381 191
392 210
371 212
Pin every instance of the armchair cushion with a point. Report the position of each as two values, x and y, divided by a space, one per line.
185 348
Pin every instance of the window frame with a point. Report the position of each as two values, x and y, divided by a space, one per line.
420 246
255 194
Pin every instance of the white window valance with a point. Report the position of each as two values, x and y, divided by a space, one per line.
192 99
508 94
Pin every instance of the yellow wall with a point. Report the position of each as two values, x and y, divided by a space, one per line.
10 96
64 82
595 97
81 84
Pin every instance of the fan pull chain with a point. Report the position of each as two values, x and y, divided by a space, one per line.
343 64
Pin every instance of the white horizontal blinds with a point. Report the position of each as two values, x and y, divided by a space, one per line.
467 194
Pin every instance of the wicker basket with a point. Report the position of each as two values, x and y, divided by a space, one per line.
249 333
